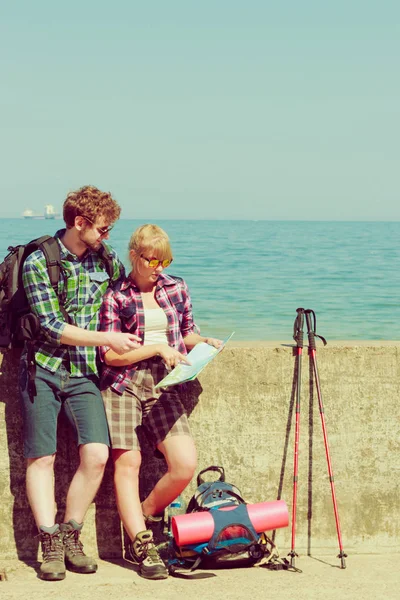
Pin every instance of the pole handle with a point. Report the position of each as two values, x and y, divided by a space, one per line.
311 321
298 328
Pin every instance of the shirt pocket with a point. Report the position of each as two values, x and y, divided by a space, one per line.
179 309
99 276
98 284
128 316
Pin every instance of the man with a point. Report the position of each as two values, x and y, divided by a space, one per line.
66 375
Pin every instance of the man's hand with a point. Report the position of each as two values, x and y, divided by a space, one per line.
122 342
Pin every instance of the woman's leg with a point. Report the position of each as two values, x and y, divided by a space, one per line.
141 551
180 453
126 481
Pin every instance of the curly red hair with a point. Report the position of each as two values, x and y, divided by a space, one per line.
90 202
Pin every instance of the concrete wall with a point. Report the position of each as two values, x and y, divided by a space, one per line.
242 417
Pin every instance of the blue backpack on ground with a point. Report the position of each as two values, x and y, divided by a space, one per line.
234 542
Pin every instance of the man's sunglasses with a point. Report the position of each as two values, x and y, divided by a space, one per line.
154 263
101 230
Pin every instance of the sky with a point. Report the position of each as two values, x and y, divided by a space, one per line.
211 109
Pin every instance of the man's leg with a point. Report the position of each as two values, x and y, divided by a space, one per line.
40 492
86 481
40 489
85 410
40 424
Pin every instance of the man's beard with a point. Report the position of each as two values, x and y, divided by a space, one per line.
94 246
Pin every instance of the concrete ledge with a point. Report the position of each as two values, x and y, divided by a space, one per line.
242 416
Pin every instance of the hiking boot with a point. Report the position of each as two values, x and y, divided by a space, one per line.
143 552
75 558
52 567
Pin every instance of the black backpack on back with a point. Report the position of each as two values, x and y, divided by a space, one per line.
17 323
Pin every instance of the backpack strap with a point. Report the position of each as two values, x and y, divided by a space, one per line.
223 519
213 468
31 364
238 516
108 259
51 251
219 495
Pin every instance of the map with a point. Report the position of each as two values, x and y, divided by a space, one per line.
199 356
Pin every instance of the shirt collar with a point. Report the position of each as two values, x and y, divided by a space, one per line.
65 253
162 281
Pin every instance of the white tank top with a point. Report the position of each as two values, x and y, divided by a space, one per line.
155 328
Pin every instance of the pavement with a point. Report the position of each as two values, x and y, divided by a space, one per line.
368 577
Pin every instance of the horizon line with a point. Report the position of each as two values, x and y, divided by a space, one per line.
42 218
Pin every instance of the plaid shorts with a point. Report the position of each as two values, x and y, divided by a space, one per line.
159 412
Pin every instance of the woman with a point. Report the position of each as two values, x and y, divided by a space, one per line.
158 309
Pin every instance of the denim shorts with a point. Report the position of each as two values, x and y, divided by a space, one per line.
80 399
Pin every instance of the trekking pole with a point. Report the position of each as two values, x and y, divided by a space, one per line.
311 321
298 337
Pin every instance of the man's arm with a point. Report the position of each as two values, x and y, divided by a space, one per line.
43 302
119 342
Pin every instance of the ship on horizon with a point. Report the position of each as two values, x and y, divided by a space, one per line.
49 213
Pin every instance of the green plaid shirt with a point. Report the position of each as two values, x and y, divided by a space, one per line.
82 284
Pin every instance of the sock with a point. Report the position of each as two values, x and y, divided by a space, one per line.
74 524
52 529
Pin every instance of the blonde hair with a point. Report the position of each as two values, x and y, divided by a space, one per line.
151 241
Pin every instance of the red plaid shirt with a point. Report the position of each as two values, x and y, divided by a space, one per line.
122 310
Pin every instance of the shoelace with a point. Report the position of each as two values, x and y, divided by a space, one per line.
73 543
52 546
153 555
148 550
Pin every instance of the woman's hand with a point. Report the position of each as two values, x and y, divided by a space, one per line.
214 342
170 356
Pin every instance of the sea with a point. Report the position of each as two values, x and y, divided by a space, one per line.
249 277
